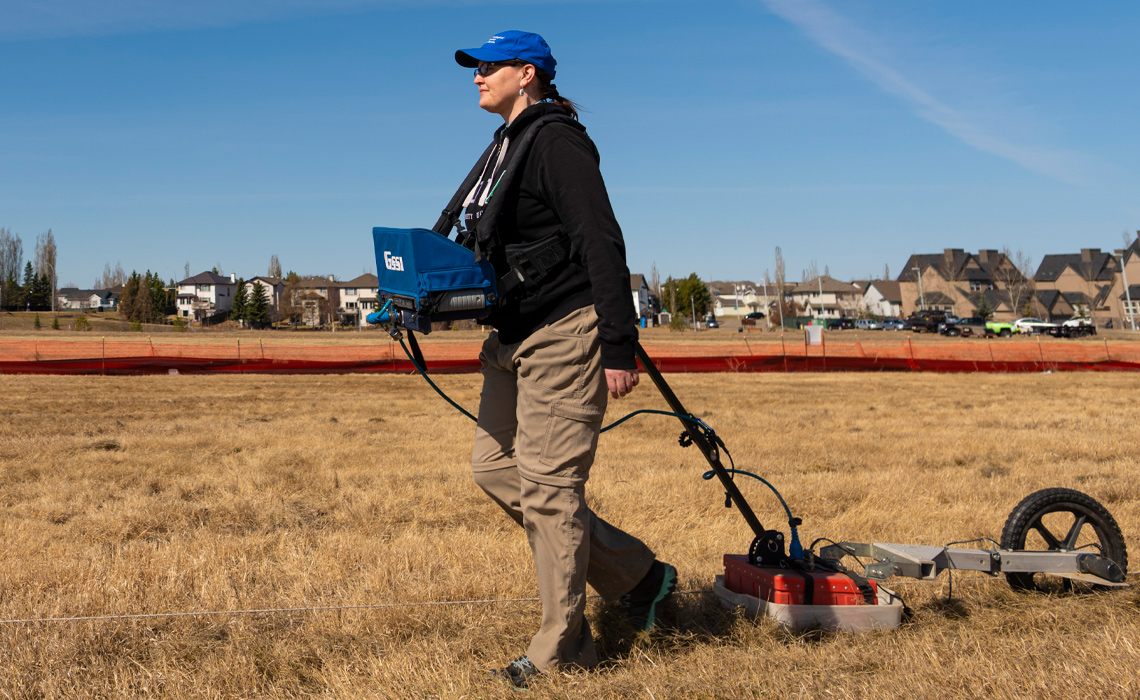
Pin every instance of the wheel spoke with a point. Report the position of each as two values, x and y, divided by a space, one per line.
1049 538
1074 532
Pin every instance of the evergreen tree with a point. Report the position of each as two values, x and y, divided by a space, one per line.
127 296
240 310
36 322
43 291
257 311
135 301
681 297
159 297
983 308
28 290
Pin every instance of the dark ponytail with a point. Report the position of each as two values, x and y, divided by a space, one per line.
548 91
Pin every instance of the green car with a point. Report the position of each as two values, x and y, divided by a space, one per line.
1002 328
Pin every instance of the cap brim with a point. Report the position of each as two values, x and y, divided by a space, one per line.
471 58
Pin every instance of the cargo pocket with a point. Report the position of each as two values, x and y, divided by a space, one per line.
569 444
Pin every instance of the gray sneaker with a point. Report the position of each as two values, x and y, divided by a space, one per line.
519 673
642 603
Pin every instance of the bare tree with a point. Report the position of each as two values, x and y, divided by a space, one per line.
886 271
1015 272
950 272
45 256
11 261
655 280
186 270
274 267
111 278
810 272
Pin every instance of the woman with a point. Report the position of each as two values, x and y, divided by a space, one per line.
537 208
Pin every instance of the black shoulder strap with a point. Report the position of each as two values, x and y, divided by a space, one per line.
519 149
450 216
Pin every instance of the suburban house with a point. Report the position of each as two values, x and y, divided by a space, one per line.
95 299
358 297
883 298
957 282
738 299
205 295
827 297
1091 284
1129 289
316 298
639 289
272 286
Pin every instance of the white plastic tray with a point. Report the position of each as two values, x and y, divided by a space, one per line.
842 618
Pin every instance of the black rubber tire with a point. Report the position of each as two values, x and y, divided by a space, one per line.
1027 515
1005 333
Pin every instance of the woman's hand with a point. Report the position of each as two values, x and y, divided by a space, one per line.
621 381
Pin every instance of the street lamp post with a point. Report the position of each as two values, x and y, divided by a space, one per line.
921 296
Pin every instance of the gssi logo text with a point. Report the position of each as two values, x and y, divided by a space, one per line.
393 262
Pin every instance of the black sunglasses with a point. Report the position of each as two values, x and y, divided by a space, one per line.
486 69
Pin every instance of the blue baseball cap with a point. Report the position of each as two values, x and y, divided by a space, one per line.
525 46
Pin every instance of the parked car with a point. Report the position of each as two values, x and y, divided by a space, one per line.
950 321
894 324
1002 328
975 326
867 324
841 324
1073 328
926 321
1031 326
711 322
752 318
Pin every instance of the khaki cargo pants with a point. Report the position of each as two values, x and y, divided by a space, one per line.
539 417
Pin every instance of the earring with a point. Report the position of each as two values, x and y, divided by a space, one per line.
521 92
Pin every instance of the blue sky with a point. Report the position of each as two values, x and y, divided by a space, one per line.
851 134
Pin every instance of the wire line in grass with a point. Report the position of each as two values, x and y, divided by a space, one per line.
263 611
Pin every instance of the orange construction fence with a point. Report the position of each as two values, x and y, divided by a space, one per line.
785 355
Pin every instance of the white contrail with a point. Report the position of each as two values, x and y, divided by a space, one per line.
860 49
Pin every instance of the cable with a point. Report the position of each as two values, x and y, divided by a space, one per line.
430 382
711 473
424 374
326 608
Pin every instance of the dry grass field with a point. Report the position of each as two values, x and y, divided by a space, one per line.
181 493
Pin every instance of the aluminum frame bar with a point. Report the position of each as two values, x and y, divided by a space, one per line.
925 562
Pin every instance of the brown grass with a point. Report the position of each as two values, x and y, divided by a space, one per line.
168 494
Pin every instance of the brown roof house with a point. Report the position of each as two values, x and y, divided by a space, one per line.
1079 285
959 283
883 298
1129 288
827 297
738 299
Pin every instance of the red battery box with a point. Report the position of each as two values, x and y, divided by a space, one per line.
786 586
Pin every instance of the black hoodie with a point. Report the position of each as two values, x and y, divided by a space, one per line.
560 189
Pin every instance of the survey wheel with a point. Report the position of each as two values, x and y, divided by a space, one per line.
1060 519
